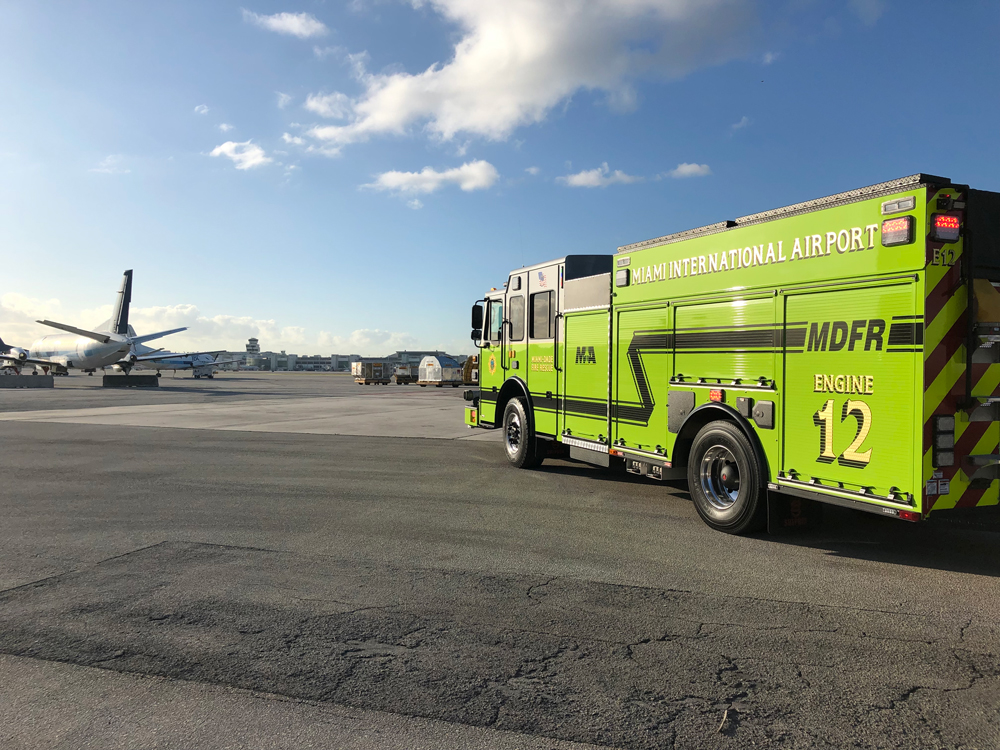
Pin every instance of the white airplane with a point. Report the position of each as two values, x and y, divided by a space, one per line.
14 358
202 363
113 342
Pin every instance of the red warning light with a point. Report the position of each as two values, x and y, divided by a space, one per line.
717 395
945 228
897 231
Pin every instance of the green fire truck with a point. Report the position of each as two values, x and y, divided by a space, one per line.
844 350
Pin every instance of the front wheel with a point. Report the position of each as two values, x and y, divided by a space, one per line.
518 436
726 480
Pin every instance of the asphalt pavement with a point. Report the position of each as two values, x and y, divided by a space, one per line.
259 580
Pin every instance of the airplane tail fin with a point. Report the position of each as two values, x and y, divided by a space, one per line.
119 318
3 347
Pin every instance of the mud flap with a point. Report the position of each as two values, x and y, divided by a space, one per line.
787 514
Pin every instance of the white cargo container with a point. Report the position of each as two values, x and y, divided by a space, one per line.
439 371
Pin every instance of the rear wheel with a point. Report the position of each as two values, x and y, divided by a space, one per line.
726 480
518 437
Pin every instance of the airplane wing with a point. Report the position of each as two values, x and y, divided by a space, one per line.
151 336
102 337
29 361
168 355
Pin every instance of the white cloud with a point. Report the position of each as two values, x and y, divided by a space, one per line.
600 177
289 138
690 170
473 175
302 25
532 170
225 127
770 57
744 121
869 11
336 105
201 109
416 204
283 99
324 52
367 341
516 60
245 155
110 165
18 314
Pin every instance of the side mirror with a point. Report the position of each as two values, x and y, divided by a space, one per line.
477 334
477 315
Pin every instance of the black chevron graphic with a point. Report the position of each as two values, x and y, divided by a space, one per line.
642 341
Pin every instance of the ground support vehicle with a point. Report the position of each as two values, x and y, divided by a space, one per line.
405 374
372 372
470 371
842 350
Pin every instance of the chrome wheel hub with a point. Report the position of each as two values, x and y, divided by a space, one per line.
719 475
512 433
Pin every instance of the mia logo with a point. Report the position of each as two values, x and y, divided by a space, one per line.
493 364
585 355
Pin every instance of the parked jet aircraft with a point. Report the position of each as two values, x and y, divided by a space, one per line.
87 350
14 358
202 363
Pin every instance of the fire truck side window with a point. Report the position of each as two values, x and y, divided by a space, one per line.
517 318
542 315
496 319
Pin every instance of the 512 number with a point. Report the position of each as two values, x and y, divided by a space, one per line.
852 456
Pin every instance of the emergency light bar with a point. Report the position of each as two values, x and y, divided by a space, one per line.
945 228
897 231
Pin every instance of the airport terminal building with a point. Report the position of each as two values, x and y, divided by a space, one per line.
253 358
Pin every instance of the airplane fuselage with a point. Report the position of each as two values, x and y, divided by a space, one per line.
180 362
79 351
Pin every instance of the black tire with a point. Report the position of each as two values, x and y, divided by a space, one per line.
519 443
726 480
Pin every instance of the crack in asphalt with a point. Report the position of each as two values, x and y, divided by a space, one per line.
575 660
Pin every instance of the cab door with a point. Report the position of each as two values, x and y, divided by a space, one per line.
540 363
491 371
515 334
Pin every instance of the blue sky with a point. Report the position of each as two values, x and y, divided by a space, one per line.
349 176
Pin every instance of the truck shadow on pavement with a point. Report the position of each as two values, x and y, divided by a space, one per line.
960 541
954 541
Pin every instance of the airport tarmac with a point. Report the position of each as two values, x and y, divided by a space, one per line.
301 403
283 560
